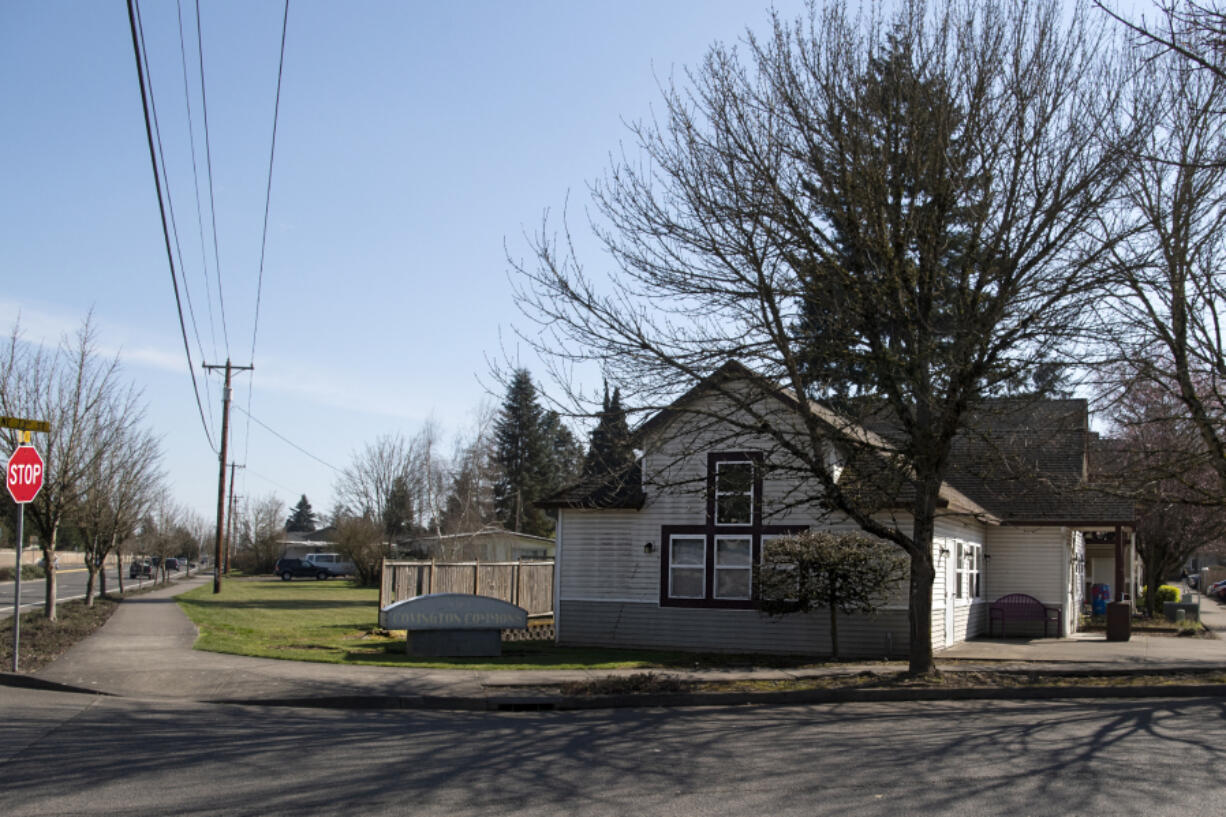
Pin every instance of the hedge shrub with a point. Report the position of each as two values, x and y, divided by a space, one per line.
1166 592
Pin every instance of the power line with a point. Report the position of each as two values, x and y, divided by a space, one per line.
272 153
191 135
208 153
269 480
138 53
170 201
259 289
288 441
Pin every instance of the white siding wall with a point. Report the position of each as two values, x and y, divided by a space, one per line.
613 624
970 615
1026 560
609 589
603 558
1034 561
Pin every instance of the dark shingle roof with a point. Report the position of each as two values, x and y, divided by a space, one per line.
1025 460
1022 460
620 490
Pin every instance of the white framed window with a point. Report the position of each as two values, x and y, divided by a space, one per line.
687 567
969 570
733 567
734 492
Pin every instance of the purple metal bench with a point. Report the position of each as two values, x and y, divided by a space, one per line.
1018 607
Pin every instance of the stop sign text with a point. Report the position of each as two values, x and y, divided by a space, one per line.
25 474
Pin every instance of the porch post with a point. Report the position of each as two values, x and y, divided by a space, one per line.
1119 563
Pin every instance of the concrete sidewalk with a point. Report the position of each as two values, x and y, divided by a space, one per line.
1094 651
145 652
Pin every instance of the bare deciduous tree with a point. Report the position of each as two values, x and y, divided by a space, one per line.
122 485
89 408
470 499
360 539
1193 32
903 209
1156 457
259 532
1166 293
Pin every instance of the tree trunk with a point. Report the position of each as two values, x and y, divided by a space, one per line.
119 570
91 567
1152 582
49 584
90 579
923 572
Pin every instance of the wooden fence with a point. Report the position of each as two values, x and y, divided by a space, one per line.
527 584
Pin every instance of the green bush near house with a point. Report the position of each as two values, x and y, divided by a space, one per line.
1166 592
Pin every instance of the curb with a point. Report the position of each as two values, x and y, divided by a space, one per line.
562 703
16 679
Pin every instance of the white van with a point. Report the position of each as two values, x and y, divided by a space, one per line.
334 563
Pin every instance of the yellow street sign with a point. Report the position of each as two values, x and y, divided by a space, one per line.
22 424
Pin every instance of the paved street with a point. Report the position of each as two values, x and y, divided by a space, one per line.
70 584
70 754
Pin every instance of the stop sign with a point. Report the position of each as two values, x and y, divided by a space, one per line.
25 474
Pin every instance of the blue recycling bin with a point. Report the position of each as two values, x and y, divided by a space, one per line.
1100 594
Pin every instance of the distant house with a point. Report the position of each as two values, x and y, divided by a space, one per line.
487 545
662 554
301 543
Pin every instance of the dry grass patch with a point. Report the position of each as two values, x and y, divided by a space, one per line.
43 641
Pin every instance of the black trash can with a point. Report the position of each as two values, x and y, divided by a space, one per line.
1119 621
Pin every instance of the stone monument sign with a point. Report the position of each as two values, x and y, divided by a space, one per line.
453 624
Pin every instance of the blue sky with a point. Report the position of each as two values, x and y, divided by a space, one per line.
416 143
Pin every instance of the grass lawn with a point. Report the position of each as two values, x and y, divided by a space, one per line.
336 622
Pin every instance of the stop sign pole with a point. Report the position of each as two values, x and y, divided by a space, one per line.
24 478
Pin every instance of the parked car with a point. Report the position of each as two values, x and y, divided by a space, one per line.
335 564
172 564
140 567
1217 590
290 568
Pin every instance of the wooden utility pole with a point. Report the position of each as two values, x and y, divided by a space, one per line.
230 527
221 478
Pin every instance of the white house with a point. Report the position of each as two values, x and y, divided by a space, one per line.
662 554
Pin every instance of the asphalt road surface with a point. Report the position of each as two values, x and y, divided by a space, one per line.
64 754
70 584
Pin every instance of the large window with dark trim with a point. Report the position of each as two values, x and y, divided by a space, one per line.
687 571
711 564
733 566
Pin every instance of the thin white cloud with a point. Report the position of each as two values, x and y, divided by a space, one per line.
288 379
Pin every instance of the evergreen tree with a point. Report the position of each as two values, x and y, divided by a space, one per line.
398 511
302 518
565 454
523 450
610 449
